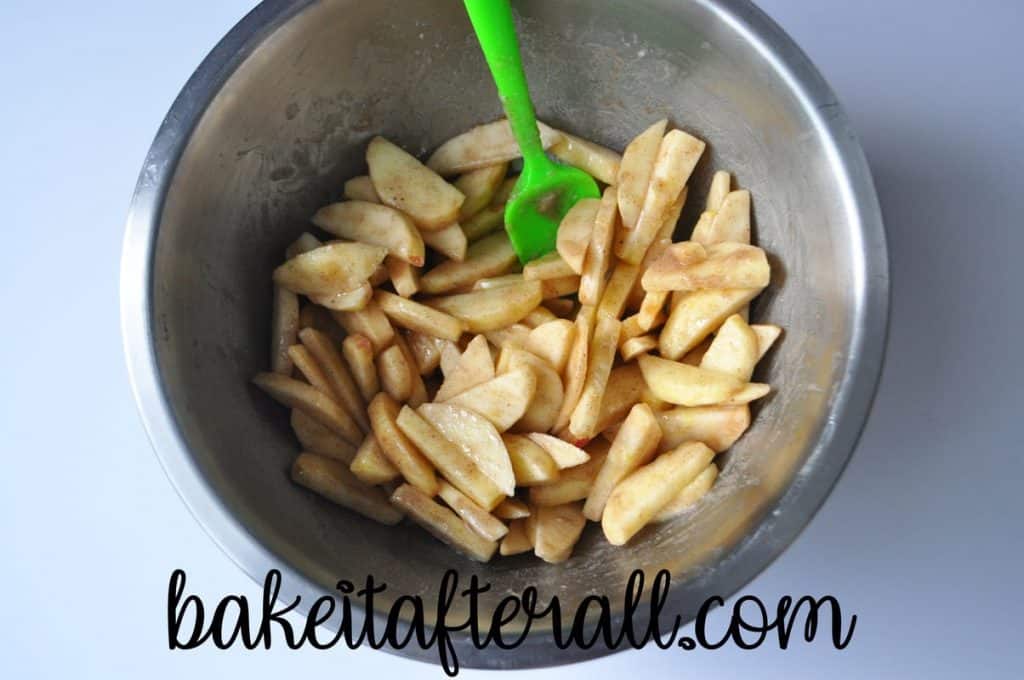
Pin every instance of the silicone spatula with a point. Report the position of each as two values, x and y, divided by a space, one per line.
545 190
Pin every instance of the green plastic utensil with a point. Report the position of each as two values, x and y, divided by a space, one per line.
545 190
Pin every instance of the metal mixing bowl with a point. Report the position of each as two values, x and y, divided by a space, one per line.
279 114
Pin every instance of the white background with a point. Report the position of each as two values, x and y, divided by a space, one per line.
921 538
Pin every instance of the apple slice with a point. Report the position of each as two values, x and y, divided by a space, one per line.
406 184
531 464
635 172
562 452
547 398
721 183
717 426
473 367
734 351
490 256
685 385
476 437
479 187
597 161
450 241
374 224
638 498
502 400
332 480
574 232
483 145
492 308
552 341
361 189
329 269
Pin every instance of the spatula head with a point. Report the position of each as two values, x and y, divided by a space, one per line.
538 203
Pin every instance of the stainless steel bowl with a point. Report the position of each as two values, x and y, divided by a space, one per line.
279 114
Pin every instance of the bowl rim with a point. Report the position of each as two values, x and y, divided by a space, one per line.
782 522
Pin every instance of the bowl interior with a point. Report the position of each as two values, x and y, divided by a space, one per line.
291 123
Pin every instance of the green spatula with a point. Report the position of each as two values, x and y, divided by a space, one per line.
545 190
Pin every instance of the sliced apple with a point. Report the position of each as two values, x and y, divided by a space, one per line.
690 266
484 223
564 454
634 347
370 465
515 335
358 352
449 459
583 423
516 541
721 183
405 184
766 334
624 388
284 326
483 145
317 438
638 498
450 241
734 351
635 169
405 278
481 521
317 405
332 480
395 374
512 508
550 266
677 157
617 291
531 464
690 494
573 484
479 186
490 256
477 438
717 426
396 447
425 350
748 393
574 232
597 161
329 269
473 367
697 315
370 322
502 400
374 224
361 189
597 258
538 317
303 244
547 398
556 529
339 379
442 523
634 445
346 301
575 373
731 223
491 309
552 341
685 385
418 317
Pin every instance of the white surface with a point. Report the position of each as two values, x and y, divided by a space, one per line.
920 539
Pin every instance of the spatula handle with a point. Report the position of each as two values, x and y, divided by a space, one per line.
496 30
